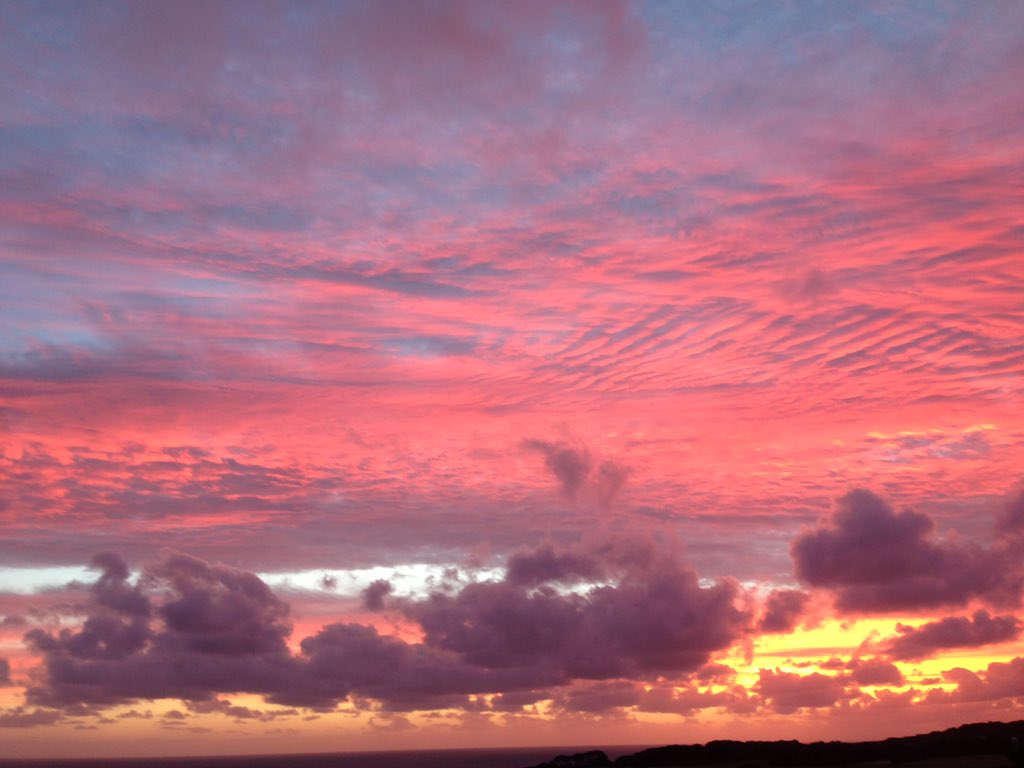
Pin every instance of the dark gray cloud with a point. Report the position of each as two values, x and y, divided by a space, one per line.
874 558
5 672
952 632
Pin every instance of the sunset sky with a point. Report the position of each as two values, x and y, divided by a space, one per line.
440 374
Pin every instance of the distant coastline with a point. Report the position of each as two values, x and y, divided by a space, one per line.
975 745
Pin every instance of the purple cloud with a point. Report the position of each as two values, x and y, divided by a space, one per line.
874 672
689 699
220 629
569 464
656 617
782 610
573 467
373 595
785 692
601 697
221 610
997 681
873 558
19 717
952 632
547 564
210 629
1012 520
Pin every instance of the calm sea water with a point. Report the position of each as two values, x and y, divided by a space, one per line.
450 758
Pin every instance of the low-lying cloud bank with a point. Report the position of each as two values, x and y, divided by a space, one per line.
188 629
596 626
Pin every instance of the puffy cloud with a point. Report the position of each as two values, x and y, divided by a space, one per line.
327 582
593 560
601 696
952 632
688 699
225 707
570 465
656 617
611 476
999 680
112 590
210 629
221 610
117 627
874 672
786 692
515 701
573 467
1012 520
782 610
546 563
19 717
219 629
874 558
345 659
373 595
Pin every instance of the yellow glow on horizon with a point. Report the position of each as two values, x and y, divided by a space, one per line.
809 650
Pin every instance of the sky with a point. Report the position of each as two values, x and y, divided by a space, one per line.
437 374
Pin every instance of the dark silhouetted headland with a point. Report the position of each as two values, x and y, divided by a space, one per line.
979 745
432 758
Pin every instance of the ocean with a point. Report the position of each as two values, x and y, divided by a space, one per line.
447 758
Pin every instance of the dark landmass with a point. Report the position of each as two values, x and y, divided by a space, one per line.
514 757
979 744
